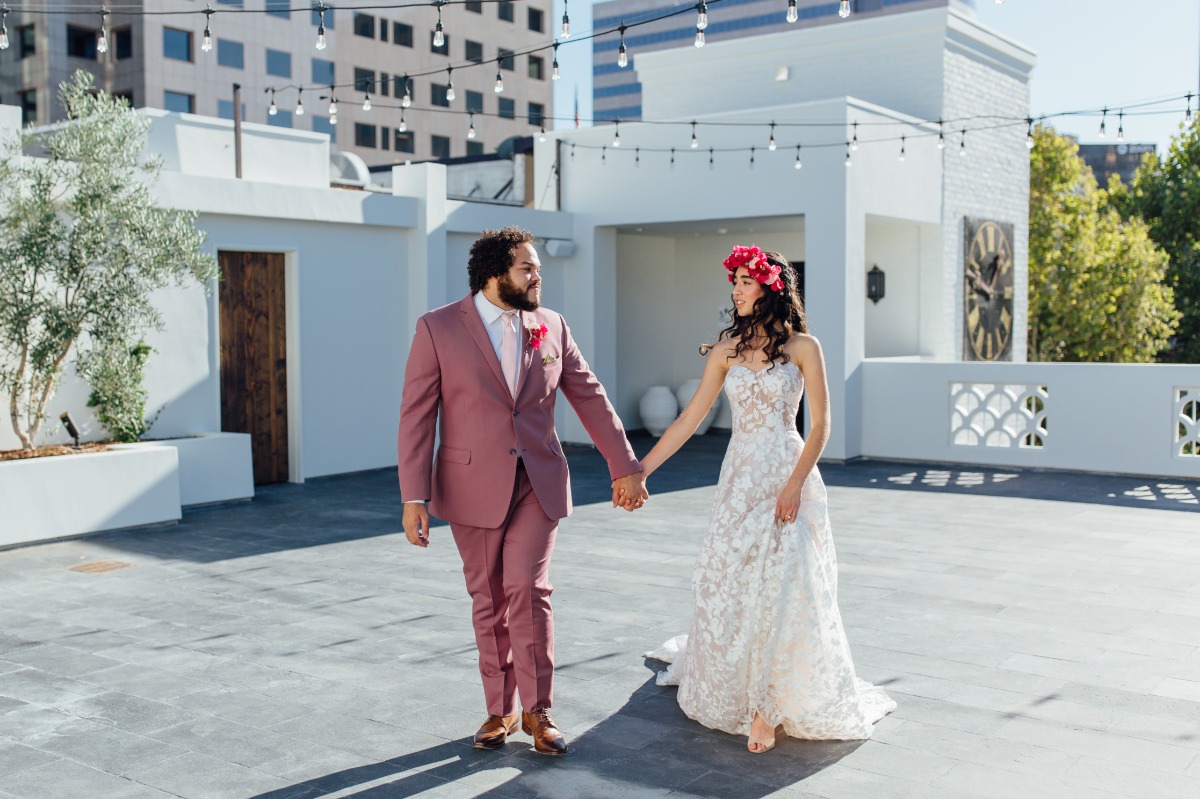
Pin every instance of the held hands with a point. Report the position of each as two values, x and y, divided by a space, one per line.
629 492
416 523
788 504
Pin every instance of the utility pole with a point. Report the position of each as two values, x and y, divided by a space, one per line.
237 130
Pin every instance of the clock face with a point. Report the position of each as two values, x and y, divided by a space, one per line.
988 285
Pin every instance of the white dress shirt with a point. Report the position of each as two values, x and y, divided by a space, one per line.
494 318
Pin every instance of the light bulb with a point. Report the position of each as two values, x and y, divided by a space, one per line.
1029 140
102 42
566 27
471 131
695 141
333 106
554 70
321 45
902 154
962 144
771 145
941 142
617 136
403 125
366 102
333 119
3 37
406 100
622 56
699 37
299 108
792 16
542 135
844 9
439 35
499 82
273 109
849 163
206 43
1103 126
702 16
450 92
797 164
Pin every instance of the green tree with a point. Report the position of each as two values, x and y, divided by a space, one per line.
1096 289
1166 193
114 371
82 246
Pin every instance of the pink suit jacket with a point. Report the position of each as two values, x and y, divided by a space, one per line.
452 368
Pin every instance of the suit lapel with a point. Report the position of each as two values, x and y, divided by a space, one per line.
474 325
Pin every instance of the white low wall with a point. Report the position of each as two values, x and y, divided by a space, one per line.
1116 418
47 498
214 467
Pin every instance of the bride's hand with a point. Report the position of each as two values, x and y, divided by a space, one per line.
788 504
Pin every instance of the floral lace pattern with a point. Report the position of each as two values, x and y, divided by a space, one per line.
766 633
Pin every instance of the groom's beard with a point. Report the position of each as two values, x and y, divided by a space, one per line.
514 297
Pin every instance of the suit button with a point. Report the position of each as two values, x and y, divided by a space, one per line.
512 452
515 413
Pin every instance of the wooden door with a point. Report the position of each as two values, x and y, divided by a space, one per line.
254 358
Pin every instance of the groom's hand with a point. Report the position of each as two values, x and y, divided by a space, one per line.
416 523
630 491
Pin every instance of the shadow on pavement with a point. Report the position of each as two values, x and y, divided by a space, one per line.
647 748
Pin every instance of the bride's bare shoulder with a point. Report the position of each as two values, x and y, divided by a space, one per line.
802 346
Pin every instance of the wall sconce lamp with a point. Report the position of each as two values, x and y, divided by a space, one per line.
560 248
69 423
875 284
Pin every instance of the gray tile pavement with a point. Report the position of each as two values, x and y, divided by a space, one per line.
1040 631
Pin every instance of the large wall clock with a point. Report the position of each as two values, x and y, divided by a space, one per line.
988 287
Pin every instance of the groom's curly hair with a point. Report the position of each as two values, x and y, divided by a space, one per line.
492 254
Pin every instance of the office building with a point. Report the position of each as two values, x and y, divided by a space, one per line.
163 61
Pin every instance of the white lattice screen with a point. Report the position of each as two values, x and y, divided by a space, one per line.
1187 422
999 415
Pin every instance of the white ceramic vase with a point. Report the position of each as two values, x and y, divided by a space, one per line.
658 408
684 395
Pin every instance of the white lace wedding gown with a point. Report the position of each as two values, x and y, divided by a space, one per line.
766 634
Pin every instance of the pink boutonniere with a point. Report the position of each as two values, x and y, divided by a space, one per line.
536 334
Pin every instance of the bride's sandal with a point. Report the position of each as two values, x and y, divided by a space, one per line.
760 746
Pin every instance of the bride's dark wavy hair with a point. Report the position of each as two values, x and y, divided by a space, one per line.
777 314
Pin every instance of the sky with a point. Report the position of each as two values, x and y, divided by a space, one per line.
1090 53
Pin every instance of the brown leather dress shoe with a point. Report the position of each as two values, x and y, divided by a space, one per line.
495 731
546 737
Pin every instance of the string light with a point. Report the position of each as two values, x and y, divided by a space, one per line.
699 38
272 109
792 16
854 138
572 152
752 158
1029 132
844 9
403 127
771 144
4 27
554 67
332 102
1121 125
702 16
902 152
499 82
637 156
300 102
206 42
366 102
604 155
542 134
622 53
406 100
695 141
1187 117
849 163
566 23
321 45
471 130
617 133
450 84
1103 118
672 158
797 165
102 41
710 158
962 144
941 137
439 33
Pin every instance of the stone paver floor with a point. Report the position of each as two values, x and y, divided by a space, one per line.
1041 633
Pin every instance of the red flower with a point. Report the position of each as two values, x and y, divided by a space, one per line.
756 263
536 334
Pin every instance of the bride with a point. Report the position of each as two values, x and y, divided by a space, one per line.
766 645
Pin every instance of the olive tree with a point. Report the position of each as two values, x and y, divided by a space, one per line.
82 247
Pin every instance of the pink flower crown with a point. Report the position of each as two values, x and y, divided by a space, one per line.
756 263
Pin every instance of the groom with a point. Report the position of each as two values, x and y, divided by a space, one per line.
492 365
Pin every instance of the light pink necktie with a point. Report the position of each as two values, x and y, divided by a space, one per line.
508 350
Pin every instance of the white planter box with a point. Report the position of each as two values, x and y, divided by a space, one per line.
65 495
213 467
